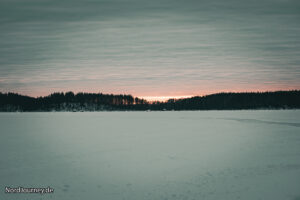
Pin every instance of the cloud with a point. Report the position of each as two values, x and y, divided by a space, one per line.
161 46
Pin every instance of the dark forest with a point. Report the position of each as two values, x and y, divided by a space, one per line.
12 102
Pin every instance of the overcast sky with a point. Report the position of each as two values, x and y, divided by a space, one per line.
149 48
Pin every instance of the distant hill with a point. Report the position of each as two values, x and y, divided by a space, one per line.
12 102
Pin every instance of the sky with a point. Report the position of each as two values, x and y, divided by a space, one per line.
153 49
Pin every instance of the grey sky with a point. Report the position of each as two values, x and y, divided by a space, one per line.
149 48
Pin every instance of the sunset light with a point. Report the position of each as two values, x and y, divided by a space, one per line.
163 98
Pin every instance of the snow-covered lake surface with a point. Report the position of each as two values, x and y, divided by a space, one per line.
220 155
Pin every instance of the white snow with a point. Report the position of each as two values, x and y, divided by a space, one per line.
222 155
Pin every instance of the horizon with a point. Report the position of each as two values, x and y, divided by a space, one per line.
154 98
154 49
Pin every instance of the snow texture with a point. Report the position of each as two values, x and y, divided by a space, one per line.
207 155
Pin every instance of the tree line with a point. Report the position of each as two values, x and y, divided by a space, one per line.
10 102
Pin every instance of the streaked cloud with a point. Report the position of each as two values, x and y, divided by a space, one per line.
149 48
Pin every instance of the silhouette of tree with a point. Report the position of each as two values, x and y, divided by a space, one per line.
69 101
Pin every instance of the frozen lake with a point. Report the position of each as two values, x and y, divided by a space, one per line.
207 155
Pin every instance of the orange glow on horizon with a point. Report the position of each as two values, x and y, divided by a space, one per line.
161 94
164 98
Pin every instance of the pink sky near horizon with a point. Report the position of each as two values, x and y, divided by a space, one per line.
161 94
